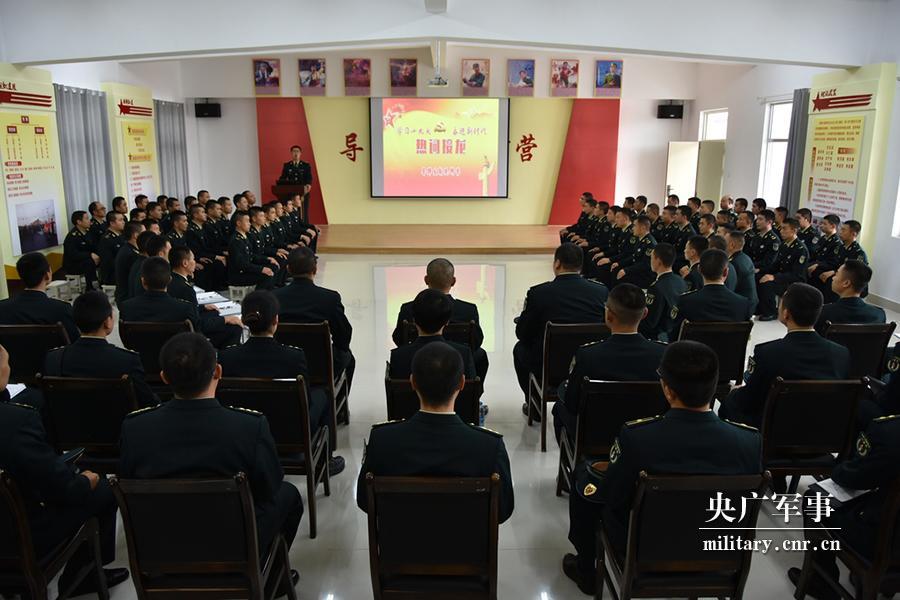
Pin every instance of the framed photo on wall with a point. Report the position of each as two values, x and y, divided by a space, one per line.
609 79
520 77
476 76
267 76
357 76
404 76
563 77
312 76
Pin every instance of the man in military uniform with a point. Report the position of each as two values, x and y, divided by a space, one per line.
688 439
176 233
92 356
193 435
221 331
32 306
680 235
98 222
304 302
569 298
213 234
849 249
742 266
120 205
599 230
435 442
577 228
303 224
718 242
580 232
829 240
262 242
440 275
693 203
744 224
624 356
726 203
690 272
763 247
108 247
125 257
210 264
244 266
155 305
851 279
431 313
781 213
801 354
58 498
662 295
640 206
656 223
155 246
808 234
619 239
706 226
789 267
713 302
667 225
634 266
298 172
672 200
79 253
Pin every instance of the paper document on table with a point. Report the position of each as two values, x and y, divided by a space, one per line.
840 493
228 308
15 389
199 290
210 298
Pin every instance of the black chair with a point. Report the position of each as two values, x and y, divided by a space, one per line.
729 342
414 555
676 563
805 423
147 339
28 346
560 344
867 344
21 569
86 412
461 333
603 408
315 340
196 538
286 406
402 401
868 574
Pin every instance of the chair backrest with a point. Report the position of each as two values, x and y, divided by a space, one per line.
887 540
803 418
315 340
604 406
406 542
283 402
561 341
681 549
402 401
147 339
28 346
728 341
87 412
461 333
16 549
178 529
867 344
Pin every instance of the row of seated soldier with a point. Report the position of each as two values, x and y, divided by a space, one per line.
644 294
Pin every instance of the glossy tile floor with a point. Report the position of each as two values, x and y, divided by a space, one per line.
335 565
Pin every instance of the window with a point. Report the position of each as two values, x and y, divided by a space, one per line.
778 128
713 124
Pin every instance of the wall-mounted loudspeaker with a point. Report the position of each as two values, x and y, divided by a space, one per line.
670 111
207 109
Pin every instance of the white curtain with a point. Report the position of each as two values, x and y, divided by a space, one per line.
171 148
84 146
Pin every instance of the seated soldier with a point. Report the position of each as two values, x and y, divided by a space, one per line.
713 302
435 442
789 267
108 245
801 354
262 356
634 267
662 295
693 248
32 306
718 242
304 302
626 355
154 245
740 263
848 283
440 275
193 435
431 313
244 266
58 497
689 439
125 258
79 251
91 355
848 249
155 305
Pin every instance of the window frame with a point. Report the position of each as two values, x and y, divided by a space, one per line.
704 117
767 142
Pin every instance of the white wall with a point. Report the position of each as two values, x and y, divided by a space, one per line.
163 77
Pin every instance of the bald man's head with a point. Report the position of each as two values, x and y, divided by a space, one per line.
440 275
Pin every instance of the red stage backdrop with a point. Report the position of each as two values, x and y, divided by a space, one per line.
589 158
281 123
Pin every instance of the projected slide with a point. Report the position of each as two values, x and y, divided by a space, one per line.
439 147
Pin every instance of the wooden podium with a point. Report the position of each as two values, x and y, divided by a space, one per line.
288 191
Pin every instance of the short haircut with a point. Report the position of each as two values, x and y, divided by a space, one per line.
698 243
760 202
156 273
161 199
212 203
156 244
853 226
709 218
255 210
112 216
726 226
804 302
432 310
172 200
643 220
188 361
781 210
201 192
717 242
297 147
569 256
672 210
178 255
653 207
833 219
712 264
441 272
805 213
140 198
93 206
642 199
90 310
724 212
301 261
150 222
258 311
768 215
791 222
237 198
132 228
694 200
742 202
684 211
629 212
709 204
603 204
117 201
674 197
144 238
152 205
738 238
31 268
590 202
627 301
135 212
178 214
77 216
665 253
195 209
858 273
691 370
436 371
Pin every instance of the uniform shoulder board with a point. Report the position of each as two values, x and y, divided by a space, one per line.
141 411
643 421
486 430
689 292
248 411
885 418
383 423
128 350
589 344
183 300
58 347
20 405
743 425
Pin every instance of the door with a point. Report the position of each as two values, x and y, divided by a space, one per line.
710 170
681 169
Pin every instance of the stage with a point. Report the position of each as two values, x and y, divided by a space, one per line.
438 239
